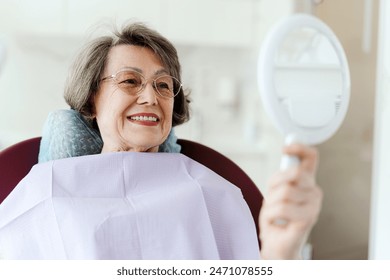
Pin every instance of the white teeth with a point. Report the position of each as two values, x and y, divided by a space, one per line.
144 118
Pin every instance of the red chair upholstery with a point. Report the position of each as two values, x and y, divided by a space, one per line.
17 160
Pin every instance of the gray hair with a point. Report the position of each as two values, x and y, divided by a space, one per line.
85 74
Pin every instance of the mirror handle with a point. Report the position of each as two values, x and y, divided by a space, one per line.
289 161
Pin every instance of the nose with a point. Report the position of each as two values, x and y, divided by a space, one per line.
147 95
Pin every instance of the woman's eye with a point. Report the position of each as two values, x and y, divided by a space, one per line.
164 86
130 82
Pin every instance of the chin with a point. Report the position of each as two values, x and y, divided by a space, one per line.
145 146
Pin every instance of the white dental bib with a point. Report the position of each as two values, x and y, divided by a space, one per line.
126 206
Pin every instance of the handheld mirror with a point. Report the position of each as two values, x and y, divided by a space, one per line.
304 80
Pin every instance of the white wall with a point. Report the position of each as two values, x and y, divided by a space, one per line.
31 84
380 203
345 167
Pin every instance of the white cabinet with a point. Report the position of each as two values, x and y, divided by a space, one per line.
201 22
38 16
84 16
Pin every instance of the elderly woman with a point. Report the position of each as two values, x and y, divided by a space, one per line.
130 84
128 88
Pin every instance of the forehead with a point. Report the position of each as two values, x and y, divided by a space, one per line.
123 56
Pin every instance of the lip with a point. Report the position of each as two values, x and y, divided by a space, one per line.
142 120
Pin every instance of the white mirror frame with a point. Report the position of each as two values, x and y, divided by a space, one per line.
265 79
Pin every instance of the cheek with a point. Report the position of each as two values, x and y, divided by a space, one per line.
107 109
101 108
168 113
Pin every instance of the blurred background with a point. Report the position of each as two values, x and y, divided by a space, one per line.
218 43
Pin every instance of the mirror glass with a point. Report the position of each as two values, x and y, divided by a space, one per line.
304 79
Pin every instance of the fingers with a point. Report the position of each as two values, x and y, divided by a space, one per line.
301 175
287 194
293 194
307 155
299 208
294 176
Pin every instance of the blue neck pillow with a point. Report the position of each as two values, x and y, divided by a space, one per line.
66 133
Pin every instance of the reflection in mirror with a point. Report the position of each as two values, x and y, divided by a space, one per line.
304 79
308 74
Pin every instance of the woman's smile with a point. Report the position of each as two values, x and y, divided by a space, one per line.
148 119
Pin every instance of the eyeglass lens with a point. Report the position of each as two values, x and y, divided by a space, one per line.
133 82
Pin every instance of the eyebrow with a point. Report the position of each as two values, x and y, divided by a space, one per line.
158 72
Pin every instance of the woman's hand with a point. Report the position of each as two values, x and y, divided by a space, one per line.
291 206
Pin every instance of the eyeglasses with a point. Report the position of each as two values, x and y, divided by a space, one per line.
133 83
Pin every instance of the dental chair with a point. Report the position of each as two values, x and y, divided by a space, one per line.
17 160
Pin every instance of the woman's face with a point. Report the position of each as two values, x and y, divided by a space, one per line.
132 122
